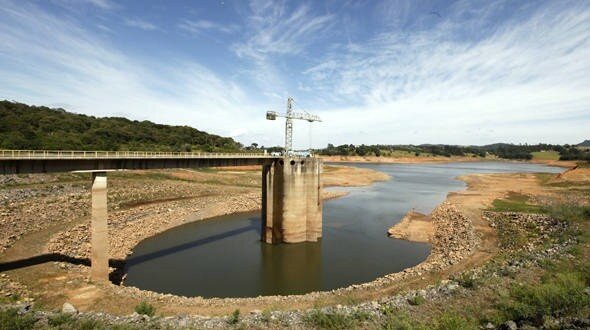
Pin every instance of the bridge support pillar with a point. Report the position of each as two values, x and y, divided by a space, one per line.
291 200
99 269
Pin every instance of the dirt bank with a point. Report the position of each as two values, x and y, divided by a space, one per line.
414 226
401 160
436 159
47 216
461 239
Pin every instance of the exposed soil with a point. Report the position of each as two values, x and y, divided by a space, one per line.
461 238
414 226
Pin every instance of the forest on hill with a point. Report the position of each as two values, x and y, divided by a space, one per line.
41 128
501 150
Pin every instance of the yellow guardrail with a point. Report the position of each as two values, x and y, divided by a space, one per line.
75 154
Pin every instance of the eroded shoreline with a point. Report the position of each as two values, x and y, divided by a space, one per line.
452 220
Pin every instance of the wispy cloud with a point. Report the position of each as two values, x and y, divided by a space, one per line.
104 4
201 26
530 69
274 29
59 62
140 24
481 72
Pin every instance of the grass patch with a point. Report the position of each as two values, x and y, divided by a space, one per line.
515 202
416 300
545 155
468 281
144 308
557 295
321 320
10 319
59 320
400 321
234 317
453 321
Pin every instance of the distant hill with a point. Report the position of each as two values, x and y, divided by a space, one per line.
586 143
32 127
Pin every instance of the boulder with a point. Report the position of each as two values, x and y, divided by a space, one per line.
68 308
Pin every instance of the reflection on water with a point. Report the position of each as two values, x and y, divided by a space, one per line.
223 257
291 269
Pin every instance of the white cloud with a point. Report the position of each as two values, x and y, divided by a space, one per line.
524 78
48 60
201 26
274 29
140 24
104 4
529 72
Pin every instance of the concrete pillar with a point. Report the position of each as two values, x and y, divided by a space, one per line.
291 201
99 270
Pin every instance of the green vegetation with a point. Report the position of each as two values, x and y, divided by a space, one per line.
502 150
321 320
516 202
559 294
145 308
31 127
545 155
416 300
59 320
234 317
10 319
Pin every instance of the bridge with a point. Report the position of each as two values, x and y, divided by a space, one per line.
291 187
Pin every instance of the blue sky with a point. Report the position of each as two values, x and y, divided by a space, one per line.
391 72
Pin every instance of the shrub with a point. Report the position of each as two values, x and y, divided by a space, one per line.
416 300
452 321
400 321
10 319
319 319
145 308
467 281
558 295
265 316
59 319
234 317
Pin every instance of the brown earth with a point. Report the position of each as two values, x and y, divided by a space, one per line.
401 160
414 226
53 283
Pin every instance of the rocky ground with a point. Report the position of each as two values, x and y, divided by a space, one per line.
468 246
537 250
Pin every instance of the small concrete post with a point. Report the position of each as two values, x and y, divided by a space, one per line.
99 269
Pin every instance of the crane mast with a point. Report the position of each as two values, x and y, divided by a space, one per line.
289 116
289 127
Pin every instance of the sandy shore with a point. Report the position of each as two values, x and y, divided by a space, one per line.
414 226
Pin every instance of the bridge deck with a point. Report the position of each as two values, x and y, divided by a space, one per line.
71 154
42 161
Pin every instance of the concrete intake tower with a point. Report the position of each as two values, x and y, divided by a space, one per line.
291 200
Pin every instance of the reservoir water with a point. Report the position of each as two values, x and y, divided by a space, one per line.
223 256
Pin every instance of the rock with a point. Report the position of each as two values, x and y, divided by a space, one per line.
68 308
509 325
489 326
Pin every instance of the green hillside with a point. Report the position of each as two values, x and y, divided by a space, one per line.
31 127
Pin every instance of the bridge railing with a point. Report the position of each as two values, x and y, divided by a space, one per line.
74 154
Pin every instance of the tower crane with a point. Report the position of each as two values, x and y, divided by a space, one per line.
290 115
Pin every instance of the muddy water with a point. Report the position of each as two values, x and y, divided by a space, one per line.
223 257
